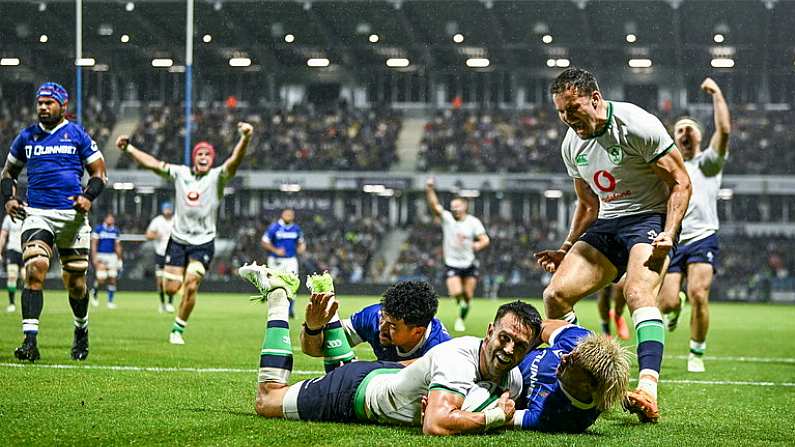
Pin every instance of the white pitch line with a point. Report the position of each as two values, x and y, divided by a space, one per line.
157 369
729 358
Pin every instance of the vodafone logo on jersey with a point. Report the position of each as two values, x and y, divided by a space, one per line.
192 198
604 180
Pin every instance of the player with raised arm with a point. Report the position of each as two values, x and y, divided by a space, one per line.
463 236
386 392
284 241
697 253
572 381
56 153
632 192
199 190
159 230
106 255
402 326
11 234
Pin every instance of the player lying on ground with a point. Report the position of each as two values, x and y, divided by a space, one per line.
402 326
571 382
199 190
386 392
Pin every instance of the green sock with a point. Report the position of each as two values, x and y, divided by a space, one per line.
336 349
179 325
463 309
276 354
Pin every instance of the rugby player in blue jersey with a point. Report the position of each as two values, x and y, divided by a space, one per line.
284 241
402 326
107 258
568 384
56 152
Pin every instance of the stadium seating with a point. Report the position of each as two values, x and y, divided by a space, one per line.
298 139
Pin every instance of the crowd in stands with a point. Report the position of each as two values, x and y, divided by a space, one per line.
303 138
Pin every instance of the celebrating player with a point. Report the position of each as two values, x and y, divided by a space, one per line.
571 382
632 190
385 392
402 326
696 255
107 257
56 153
11 233
199 190
464 235
284 240
159 230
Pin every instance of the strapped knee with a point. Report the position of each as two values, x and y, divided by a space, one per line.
35 250
195 268
168 276
75 261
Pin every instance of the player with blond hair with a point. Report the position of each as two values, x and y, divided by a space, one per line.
574 380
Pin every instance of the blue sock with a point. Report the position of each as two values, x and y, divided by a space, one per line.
111 292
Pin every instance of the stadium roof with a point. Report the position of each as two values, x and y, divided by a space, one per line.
756 34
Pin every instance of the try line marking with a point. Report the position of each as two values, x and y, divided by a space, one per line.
156 369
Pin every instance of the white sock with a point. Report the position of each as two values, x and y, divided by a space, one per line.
278 305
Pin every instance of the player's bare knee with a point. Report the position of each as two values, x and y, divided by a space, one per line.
553 296
35 271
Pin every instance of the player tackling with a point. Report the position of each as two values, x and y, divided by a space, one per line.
56 153
385 392
632 192
463 236
696 255
199 190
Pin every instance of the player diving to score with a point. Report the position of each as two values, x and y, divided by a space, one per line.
56 153
199 190
697 253
632 192
385 392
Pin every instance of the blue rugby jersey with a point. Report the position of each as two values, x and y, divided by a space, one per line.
284 236
549 407
107 237
55 161
365 324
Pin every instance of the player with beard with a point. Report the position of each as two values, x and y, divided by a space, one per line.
697 254
386 392
56 153
199 190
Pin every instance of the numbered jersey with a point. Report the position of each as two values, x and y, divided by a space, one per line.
617 164
197 202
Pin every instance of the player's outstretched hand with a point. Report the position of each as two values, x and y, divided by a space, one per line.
81 204
15 209
430 183
508 406
549 260
122 142
321 307
245 129
710 86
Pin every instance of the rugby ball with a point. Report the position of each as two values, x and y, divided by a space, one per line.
481 396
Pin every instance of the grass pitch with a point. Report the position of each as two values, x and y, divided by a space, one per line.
135 388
